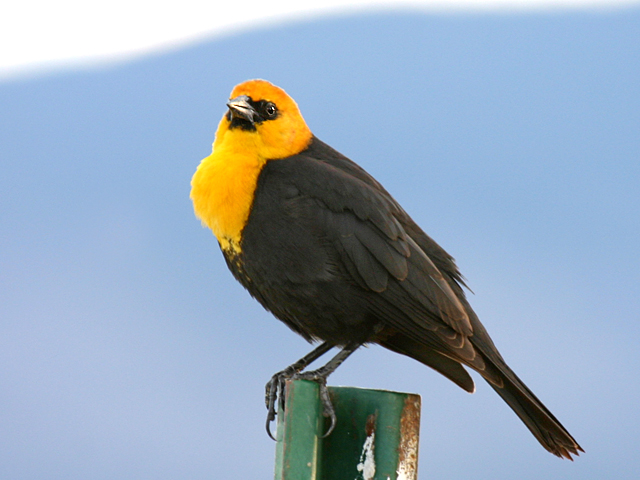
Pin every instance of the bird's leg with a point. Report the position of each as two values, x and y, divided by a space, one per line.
275 387
320 376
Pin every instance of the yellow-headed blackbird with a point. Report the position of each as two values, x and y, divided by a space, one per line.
324 247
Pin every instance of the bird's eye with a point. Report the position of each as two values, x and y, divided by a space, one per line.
270 110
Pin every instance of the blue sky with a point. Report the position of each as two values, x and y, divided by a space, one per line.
128 351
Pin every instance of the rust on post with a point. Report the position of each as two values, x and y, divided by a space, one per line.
409 435
370 426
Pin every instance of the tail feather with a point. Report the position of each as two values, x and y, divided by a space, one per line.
538 419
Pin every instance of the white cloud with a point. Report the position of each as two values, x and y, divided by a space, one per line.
37 34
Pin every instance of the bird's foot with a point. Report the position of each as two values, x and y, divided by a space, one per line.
320 377
274 394
275 388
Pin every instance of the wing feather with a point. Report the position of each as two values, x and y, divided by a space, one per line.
365 224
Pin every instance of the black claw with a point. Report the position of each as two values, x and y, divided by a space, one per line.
270 418
327 408
270 399
274 392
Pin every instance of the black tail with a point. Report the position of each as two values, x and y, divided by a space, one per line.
544 426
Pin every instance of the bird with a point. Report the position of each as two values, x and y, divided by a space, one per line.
321 244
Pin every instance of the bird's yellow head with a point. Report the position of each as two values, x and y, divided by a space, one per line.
263 123
263 119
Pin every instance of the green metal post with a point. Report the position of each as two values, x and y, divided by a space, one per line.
299 431
376 436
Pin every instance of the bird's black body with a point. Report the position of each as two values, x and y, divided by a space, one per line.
292 260
330 253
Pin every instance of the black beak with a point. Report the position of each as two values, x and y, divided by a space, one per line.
240 107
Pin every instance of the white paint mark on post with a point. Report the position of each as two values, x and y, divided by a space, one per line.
367 465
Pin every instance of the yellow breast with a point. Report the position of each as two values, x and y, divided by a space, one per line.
223 188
